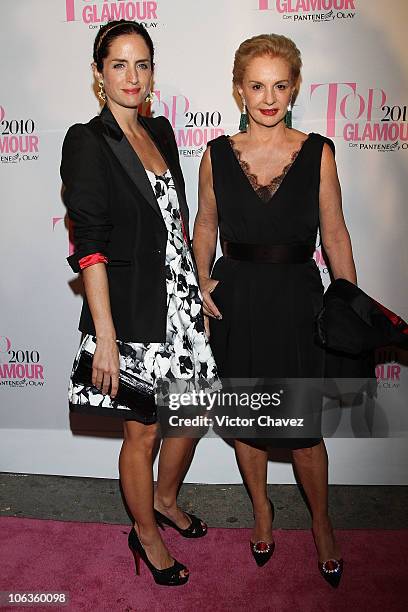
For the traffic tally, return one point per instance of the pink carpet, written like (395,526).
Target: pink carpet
(92,563)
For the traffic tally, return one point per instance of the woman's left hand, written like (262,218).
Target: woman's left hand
(210,309)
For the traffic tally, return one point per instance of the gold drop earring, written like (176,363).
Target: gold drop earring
(149,97)
(101,92)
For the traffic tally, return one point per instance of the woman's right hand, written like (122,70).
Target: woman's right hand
(105,366)
(207,286)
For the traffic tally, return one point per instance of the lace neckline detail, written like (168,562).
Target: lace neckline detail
(265,192)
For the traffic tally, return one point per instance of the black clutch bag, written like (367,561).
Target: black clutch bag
(133,391)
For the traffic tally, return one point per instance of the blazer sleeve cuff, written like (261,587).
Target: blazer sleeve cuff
(90,260)
(80,260)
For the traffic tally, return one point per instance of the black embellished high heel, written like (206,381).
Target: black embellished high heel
(332,571)
(194,530)
(166,577)
(262,551)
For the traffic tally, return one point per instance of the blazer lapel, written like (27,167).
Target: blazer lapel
(128,158)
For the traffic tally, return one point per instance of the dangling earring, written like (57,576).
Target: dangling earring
(149,97)
(288,116)
(243,122)
(101,92)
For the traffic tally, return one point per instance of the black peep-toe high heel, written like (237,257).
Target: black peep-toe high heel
(166,577)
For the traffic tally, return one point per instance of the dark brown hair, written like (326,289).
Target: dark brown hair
(112,30)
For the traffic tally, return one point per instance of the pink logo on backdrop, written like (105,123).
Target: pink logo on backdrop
(19,367)
(96,12)
(17,139)
(193,129)
(310,10)
(387,371)
(296,6)
(362,115)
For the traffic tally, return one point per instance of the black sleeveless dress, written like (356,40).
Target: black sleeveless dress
(268,309)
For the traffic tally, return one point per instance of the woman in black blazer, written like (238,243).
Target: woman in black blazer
(124,192)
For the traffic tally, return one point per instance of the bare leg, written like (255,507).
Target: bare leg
(136,476)
(253,465)
(175,458)
(311,466)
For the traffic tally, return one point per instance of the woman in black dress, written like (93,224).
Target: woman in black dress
(142,313)
(268,189)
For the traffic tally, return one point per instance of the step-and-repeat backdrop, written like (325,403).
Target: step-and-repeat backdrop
(354,90)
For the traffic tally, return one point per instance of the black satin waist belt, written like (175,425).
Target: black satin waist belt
(268,253)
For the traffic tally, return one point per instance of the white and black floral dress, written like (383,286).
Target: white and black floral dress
(186,355)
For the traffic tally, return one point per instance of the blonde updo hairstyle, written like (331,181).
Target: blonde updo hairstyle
(274,45)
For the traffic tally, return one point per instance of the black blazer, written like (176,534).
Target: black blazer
(114,212)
